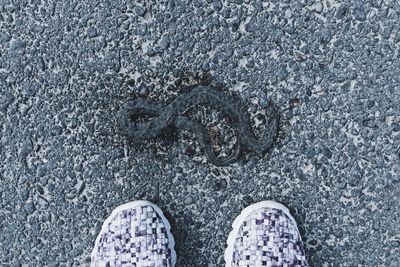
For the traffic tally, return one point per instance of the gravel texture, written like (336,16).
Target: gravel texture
(332,68)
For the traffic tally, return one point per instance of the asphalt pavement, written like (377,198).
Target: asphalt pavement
(332,68)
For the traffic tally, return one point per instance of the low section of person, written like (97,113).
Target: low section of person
(137,234)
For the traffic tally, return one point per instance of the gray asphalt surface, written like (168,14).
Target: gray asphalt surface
(333,70)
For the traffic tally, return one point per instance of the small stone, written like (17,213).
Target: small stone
(215,172)
(57,130)
(11,8)
(338,233)
(376,225)
(219,184)
(310,153)
(43,203)
(140,11)
(217,6)
(91,32)
(188,200)
(151,52)
(359,13)
(273,180)
(341,11)
(164,42)
(205,66)
(356,192)
(247,200)
(318,7)
(327,153)
(17,45)
(27,147)
(313,242)
(5,101)
(17,252)
(288,13)
(40,189)
(197,3)
(31,90)
(5,37)
(71,194)
(395,244)
(81,188)
(29,207)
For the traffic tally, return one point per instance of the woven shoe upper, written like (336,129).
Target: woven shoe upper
(133,237)
(268,237)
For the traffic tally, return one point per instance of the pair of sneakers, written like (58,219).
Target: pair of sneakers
(137,234)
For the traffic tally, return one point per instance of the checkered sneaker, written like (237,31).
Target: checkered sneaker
(136,234)
(265,235)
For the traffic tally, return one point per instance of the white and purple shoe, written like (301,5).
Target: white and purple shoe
(135,235)
(265,234)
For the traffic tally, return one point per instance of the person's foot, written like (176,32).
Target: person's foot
(136,234)
(265,234)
